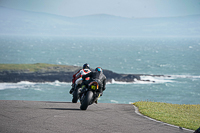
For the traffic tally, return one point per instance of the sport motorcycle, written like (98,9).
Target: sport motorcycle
(89,95)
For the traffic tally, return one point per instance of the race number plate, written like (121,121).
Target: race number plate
(93,87)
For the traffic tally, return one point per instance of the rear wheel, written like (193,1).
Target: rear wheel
(86,100)
(76,95)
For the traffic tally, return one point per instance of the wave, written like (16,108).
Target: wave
(144,80)
(155,79)
(57,83)
(158,79)
(4,86)
(114,101)
(118,82)
(186,76)
(27,84)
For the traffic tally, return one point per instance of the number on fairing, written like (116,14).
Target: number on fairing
(93,87)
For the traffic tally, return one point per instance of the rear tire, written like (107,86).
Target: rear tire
(86,100)
(76,95)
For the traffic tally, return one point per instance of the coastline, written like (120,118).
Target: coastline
(40,72)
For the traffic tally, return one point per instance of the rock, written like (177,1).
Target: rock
(61,73)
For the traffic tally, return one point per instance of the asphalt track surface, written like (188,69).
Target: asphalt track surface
(65,117)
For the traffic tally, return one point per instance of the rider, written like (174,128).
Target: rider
(99,77)
(77,75)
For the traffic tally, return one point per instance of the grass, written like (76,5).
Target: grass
(186,116)
(35,67)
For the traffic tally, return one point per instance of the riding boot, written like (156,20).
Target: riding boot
(97,96)
(82,90)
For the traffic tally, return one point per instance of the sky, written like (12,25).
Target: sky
(123,8)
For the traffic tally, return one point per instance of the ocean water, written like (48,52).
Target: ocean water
(177,58)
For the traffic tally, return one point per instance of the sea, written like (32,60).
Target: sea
(176,58)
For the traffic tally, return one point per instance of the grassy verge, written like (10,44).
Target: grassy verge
(35,67)
(186,116)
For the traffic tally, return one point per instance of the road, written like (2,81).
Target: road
(65,117)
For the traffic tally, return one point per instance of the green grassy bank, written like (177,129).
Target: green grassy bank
(186,116)
(35,67)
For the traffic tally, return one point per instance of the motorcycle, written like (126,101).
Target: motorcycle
(89,95)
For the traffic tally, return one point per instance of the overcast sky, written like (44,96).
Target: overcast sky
(123,8)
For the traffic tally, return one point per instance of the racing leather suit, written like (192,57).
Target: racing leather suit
(77,76)
(99,77)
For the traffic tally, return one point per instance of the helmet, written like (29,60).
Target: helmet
(86,66)
(99,69)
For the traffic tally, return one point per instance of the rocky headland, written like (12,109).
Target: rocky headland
(49,73)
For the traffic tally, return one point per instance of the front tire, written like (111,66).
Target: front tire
(86,100)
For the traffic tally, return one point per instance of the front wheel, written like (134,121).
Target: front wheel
(86,100)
